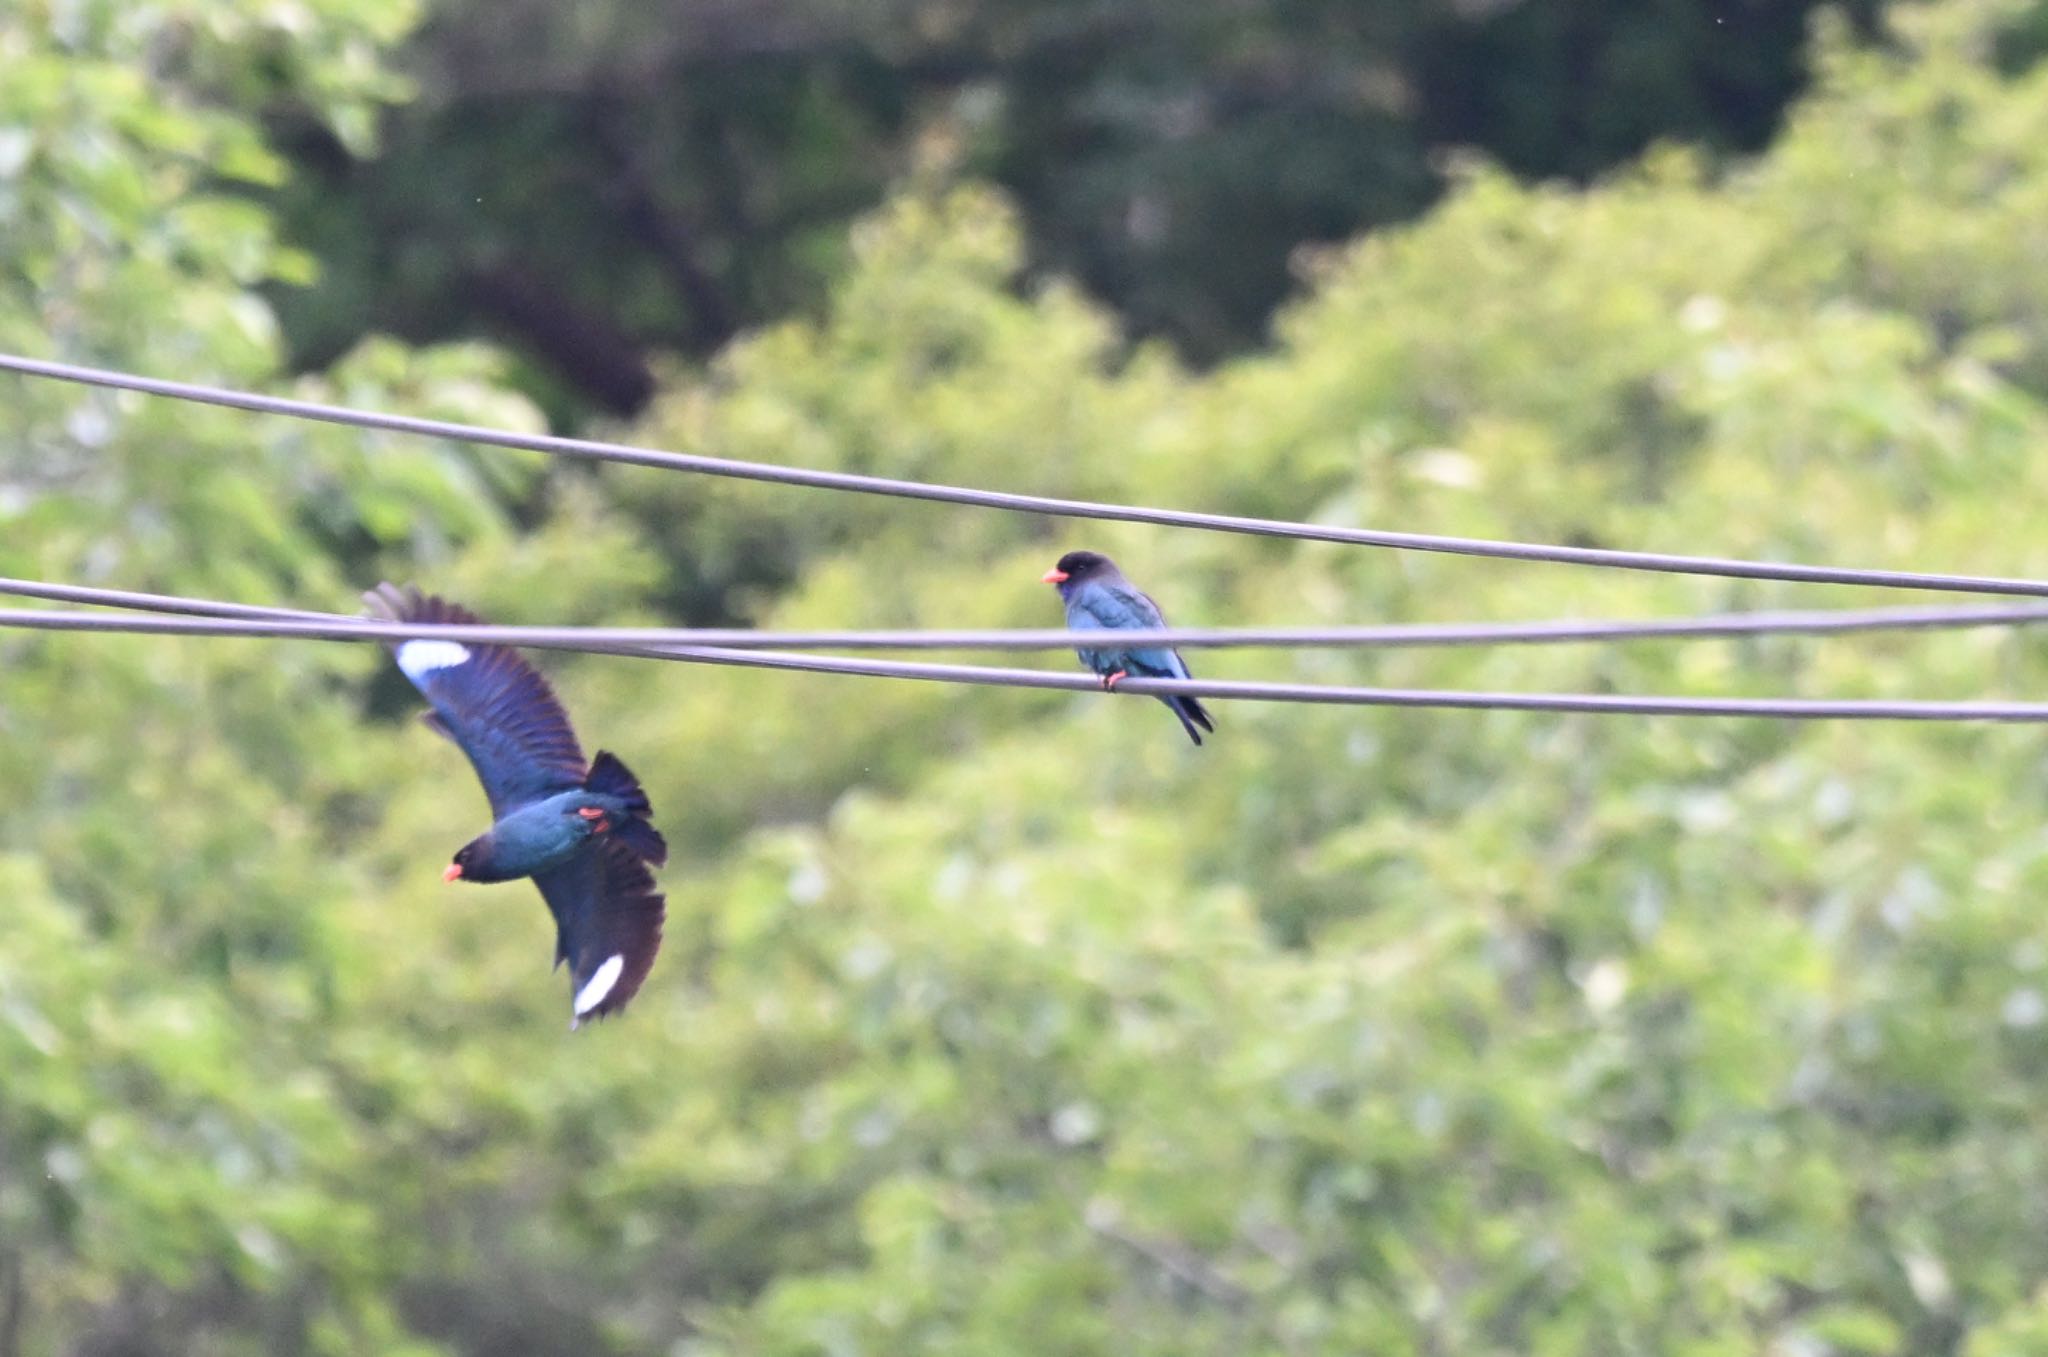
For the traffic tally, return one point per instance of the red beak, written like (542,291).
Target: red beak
(1054,576)
(454,870)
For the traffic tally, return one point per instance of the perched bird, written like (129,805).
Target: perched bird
(580,832)
(1099,598)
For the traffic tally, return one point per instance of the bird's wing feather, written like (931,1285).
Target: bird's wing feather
(608,918)
(488,700)
(1119,607)
(1080,618)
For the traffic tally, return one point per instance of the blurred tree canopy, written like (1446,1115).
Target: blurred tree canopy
(1004,1022)
(596,183)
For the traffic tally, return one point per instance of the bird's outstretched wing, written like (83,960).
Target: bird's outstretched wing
(608,919)
(489,701)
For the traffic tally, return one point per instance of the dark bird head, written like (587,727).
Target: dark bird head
(464,857)
(1078,567)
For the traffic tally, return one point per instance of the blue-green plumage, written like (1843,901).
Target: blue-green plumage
(538,836)
(581,832)
(1099,598)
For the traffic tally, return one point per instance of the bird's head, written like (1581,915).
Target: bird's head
(463,857)
(1078,567)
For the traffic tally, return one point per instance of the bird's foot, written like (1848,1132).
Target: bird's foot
(1109,681)
(598,823)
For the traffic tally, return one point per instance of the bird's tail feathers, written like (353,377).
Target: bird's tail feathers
(644,839)
(609,776)
(1192,714)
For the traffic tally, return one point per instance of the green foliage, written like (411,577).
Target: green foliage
(598,183)
(174,1168)
(1005,1022)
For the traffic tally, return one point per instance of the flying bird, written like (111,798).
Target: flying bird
(580,831)
(1099,598)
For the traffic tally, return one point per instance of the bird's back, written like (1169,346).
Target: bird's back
(1116,605)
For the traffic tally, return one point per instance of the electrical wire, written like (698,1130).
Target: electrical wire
(157,603)
(1817,622)
(333,627)
(596,450)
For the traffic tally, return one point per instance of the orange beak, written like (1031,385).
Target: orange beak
(1054,576)
(454,870)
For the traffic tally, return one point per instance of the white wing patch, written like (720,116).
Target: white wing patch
(600,984)
(421,658)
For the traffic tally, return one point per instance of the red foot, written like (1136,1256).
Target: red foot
(596,818)
(1109,681)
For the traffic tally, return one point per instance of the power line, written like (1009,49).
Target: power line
(1816,622)
(337,628)
(595,450)
(158,603)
